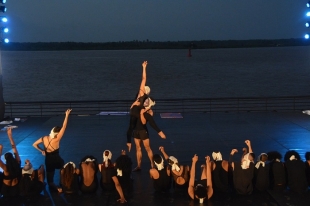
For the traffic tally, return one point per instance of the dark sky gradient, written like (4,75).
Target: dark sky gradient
(155,20)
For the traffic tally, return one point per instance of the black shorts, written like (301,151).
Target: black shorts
(141,134)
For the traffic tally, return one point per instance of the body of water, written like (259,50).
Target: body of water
(111,75)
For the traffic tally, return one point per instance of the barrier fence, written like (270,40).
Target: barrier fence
(195,105)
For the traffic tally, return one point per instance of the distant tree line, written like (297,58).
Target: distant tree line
(134,45)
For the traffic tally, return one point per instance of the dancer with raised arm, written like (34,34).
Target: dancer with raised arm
(51,151)
(135,108)
(11,169)
(201,189)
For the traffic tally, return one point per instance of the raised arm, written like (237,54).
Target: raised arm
(64,125)
(209,177)
(248,143)
(2,165)
(192,178)
(143,81)
(162,149)
(9,132)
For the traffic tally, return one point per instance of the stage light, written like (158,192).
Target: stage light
(6,40)
(307,24)
(2,9)
(5,29)
(308,13)
(4,19)
(307,36)
(3,1)
(308,4)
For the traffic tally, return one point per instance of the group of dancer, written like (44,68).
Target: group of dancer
(218,176)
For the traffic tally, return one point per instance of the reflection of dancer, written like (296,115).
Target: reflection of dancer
(141,134)
(51,151)
(135,108)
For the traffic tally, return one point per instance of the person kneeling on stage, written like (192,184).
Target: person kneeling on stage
(161,175)
(69,178)
(201,189)
(31,183)
(123,166)
(88,170)
(243,172)
(109,181)
(180,173)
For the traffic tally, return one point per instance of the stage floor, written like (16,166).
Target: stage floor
(193,134)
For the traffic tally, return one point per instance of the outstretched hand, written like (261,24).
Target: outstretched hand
(144,64)
(195,158)
(68,112)
(233,151)
(162,135)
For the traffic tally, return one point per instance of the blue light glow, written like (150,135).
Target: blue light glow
(307,24)
(6,40)
(4,19)
(307,36)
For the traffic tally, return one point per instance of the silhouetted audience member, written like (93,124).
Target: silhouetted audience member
(180,173)
(161,176)
(69,178)
(261,173)
(295,168)
(11,169)
(243,172)
(88,175)
(201,189)
(109,181)
(277,175)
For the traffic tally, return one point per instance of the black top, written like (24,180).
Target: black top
(261,176)
(277,174)
(74,187)
(106,178)
(219,178)
(134,116)
(163,182)
(296,176)
(149,119)
(243,178)
(308,172)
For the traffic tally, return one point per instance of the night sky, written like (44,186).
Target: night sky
(154,20)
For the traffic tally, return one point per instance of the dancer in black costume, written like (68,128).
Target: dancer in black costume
(51,151)
(135,108)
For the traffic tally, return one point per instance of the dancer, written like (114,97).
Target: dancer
(69,177)
(11,169)
(202,189)
(296,172)
(141,134)
(243,172)
(135,108)
(262,173)
(109,181)
(180,173)
(219,173)
(88,173)
(123,166)
(277,171)
(51,151)
(161,176)
(32,181)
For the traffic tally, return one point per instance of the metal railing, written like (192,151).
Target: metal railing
(197,105)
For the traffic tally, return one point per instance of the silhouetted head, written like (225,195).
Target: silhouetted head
(307,155)
(291,154)
(200,192)
(274,155)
